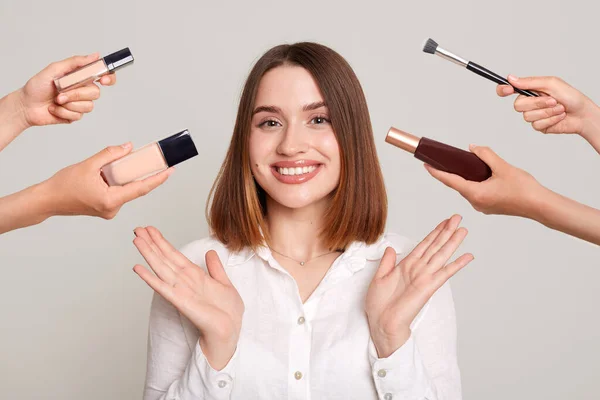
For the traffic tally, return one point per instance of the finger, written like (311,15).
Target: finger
(215,268)
(159,286)
(108,80)
(387,263)
(61,68)
(419,250)
(451,269)
(453,181)
(524,103)
(442,238)
(81,107)
(504,90)
(545,84)
(144,234)
(544,124)
(488,156)
(536,115)
(84,93)
(110,154)
(63,113)
(441,257)
(134,190)
(160,268)
(167,249)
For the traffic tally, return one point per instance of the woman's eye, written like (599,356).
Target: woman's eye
(319,120)
(269,123)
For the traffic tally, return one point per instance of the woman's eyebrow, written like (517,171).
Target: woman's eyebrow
(271,109)
(314,106)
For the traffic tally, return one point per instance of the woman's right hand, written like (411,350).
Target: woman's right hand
(208,299)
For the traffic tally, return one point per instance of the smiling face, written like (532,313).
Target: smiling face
(294,152)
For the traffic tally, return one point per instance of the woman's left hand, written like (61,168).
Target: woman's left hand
(398,292)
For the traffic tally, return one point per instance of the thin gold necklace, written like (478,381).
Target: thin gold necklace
(305,261)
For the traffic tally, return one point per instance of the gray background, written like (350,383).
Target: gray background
(74,315)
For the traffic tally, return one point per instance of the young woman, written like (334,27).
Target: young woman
(298,294)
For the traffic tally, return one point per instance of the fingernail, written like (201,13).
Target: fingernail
(513,78)
(170,171)
(472,147)
(62,98)
(126,146)
(134,233)
(559,108)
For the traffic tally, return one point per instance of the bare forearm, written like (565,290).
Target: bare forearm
(27,207)
(12,120)
(568,216)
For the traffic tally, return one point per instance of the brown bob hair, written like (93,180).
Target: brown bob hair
(236,209)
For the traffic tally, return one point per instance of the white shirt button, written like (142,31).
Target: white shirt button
(388,396)
(381,373)
(222,384)
(301,320)
(298,375)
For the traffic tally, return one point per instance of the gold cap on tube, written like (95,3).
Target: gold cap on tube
(402,139)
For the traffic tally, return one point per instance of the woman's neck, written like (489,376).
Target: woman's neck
(295,232)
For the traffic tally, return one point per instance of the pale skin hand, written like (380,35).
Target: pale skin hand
(78,189)
(208,299)
(39,103)
(561,108)
(398,292)
(512,191)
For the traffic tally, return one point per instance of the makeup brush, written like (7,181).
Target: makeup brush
(432,47)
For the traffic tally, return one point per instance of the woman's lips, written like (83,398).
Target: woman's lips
(296,178)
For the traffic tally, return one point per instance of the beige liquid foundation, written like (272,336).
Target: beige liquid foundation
(150,159)
(94,70)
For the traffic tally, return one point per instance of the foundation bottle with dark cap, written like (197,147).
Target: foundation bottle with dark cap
(441,156)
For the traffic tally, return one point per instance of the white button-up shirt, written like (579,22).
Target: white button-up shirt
(317,350)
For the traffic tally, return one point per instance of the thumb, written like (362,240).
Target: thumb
(387,263)
(61,68)
(215,268)
(110,154)
(488,156)
(546,84)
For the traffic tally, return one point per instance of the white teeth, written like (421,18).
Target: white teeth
(296,171)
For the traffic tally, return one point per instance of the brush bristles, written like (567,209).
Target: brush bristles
(430,46)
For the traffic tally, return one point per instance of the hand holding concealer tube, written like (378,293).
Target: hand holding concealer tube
(37,103)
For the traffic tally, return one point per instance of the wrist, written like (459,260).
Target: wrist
(541,205)
(386,345)
(591,122)
(47,206)
(218,353)
(17,110)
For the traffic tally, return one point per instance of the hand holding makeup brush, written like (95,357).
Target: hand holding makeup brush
(38,102)
(397,293)
(562,109)
(513,191)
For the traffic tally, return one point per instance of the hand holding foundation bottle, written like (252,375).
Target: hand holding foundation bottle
(78,189)
(39,103)
(512,191)
(205,296)
(561,109)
